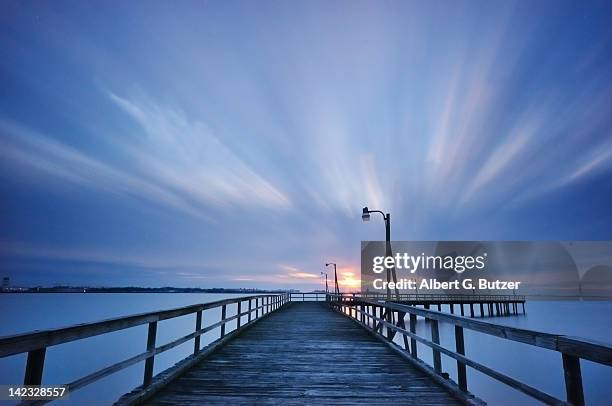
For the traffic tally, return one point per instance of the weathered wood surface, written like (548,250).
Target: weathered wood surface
(304,354)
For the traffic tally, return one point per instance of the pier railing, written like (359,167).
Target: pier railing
(35,344)
(437,297)
(387,319)
(307,296)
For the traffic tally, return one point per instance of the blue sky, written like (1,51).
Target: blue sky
(233,143)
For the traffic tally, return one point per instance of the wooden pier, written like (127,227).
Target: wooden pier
(311,348)
(305,353)
(478,305)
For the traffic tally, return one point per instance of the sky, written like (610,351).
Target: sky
(234,143)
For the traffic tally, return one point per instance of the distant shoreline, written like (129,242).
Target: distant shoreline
(130,289)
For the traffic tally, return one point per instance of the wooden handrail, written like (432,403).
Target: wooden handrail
(302,296)
(438,296)
(572,348)
(19,343)
(590,350)
(36,343)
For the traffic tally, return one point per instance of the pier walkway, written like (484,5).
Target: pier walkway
(317,348)
(305,353)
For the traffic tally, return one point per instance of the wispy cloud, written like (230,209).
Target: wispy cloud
(112,257)
(44,155)
(183,155)
(277,129)
(173,162)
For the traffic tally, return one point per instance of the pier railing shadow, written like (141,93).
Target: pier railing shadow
(35,344)
(386,319)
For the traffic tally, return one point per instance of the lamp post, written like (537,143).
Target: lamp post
(365,216)
(336,288)
(326,289)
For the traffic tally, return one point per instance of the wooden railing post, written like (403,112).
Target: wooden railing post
(435,338)
(390,331)
(461,369)
(573,380)
(256,307)
(34,367)
(239,312)
(373,320)
(401,322)
(250,311)
(223,313)
(148,371)
(196,342)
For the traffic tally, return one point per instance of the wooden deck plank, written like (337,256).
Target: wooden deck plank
(304,354)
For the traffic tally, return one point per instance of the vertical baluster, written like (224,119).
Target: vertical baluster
(223,312)
(460,347)
(435,337)
(148,371)
(413,342)
(34,367)
(250,307)
(371,315)
(238,314)
(402,323)
(573,380)
(196,342)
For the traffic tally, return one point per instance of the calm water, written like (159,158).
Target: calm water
(64,363)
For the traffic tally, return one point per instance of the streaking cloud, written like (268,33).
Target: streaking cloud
(259,131)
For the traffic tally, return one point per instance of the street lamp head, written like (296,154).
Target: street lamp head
(365,216)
